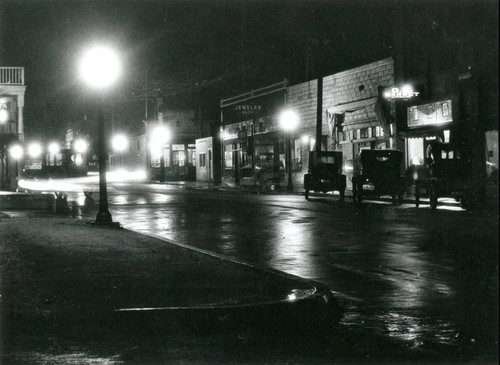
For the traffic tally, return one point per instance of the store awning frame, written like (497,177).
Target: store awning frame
(351,106)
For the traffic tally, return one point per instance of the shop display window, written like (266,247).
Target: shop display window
(228,156)
(416,151)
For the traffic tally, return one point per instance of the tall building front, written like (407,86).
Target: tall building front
(12,91)
(447,61)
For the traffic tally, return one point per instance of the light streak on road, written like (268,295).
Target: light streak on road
(86,183)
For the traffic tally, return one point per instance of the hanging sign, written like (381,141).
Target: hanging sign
(406,92)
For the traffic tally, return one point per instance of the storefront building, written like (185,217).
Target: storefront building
(454,90)
(171,147)
(12,92)
(252,141)
(208,160)
(353,116)
(358,117)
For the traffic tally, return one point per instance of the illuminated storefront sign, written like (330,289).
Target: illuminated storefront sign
(405,92)
(247,107)
(428,114)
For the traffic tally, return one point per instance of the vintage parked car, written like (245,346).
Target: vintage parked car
(325,173)
(451,175)
(380,175)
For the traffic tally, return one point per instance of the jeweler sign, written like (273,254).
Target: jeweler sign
(406,92)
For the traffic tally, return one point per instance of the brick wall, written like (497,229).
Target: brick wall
(303,99)
(344,87)
(339,88)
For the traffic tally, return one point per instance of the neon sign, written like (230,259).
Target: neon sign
(406,92)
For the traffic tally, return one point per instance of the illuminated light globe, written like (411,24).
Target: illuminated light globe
(119,143)
(53,148)
(34,150)
(100,67)
(16,152)
(159,136)
(288,120)
(80,146)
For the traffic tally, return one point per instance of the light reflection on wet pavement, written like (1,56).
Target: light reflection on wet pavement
(401,272)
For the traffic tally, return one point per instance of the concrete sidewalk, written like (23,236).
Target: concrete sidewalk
(67,285)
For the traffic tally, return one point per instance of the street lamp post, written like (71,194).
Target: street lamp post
(289,120)
(99,69)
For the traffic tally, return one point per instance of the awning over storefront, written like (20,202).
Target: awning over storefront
(427,131)
(352,106)
(374,104)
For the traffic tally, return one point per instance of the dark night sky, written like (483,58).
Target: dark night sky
(227,47)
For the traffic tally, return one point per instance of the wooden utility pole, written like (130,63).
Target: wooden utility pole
(319,115)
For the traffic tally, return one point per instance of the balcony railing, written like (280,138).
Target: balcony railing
(11,75)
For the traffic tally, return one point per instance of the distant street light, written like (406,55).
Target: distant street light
(159,137)
(53,151)
(54,148)
(80,146)
(99,68)
(119,143)
(289,121)
(16,152)
(35,150)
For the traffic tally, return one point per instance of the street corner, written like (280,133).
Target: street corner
(301,313)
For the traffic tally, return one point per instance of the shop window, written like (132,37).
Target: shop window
(191,154)
(54,159)
(228,156)
(297,155)
(416,151)
(167,153)
(179,158)
(202,158)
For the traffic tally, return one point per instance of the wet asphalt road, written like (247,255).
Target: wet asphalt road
(428,279)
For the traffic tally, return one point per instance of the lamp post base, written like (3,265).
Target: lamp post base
(103,216)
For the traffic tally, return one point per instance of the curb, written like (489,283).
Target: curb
(38,201)
(307,309)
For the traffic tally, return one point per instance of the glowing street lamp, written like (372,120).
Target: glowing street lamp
(159,137)
(289,121)
(100,67)
(16,152)
(80,146)
(54,148)
(35,150)
(119,143)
